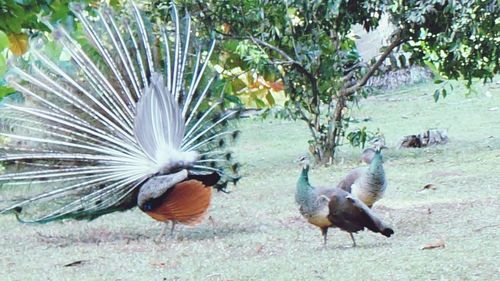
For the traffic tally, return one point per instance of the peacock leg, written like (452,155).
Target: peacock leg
(353,241)
(324,231)
(162,233)
(172,230)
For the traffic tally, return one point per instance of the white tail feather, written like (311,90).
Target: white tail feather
(94,129)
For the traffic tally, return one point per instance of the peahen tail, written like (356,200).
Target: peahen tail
(123,106)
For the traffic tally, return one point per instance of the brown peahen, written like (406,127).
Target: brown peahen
(129,120)
(368,184)
(334,207)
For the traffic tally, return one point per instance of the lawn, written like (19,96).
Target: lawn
(258,234)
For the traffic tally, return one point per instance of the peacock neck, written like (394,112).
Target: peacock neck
(304,194)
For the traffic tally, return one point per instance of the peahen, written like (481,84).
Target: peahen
(129,120)
(334,207)
(367,183)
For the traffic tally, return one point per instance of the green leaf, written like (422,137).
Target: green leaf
(260,103)
(443,92)
(270,99)
(115,4)
(438,81)
(5,91)
(60,10)
(4,41)
(3,65)
(436,95)
(233,99)
(237,84)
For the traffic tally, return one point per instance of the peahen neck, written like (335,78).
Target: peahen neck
(376,166)
(305,192)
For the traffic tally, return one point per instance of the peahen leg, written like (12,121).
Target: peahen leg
(324,231)
(353,240)
(212,222)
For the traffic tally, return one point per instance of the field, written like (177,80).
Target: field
(258,234)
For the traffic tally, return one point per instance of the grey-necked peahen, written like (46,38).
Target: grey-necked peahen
(334,207)
(129,120)
(367,183)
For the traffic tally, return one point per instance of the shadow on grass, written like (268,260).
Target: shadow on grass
(104,235)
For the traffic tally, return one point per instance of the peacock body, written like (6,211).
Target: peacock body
(129,120)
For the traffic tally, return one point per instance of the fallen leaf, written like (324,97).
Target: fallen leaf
(428,186)
(259,249)
(75,263)
(158,264)
(437,244)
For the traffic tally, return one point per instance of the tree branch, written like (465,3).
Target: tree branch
(346,92)
(289,60)
(299,67)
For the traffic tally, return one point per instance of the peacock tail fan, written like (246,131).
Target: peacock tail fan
(131,101)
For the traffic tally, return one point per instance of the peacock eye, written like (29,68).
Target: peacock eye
(148,206)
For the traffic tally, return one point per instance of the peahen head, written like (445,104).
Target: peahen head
(304,161)
(378,144)
(368,155)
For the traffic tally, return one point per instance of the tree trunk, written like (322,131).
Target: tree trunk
(325,146)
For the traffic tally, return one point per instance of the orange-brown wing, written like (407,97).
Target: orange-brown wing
(186,203)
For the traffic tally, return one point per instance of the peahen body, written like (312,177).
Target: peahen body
(367,183)
(128,121)
(334,207)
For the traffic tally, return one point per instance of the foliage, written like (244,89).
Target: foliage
(310,47)
(360,136)
(457,39)
(460,38)
(20,19)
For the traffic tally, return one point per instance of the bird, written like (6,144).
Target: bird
(328,207)
(367,183)
(130,119)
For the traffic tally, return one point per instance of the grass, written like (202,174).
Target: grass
(258,233)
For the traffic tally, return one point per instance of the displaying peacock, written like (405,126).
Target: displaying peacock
(128,120)
(335,207)
(367,183)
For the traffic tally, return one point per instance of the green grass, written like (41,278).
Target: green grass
(258,233)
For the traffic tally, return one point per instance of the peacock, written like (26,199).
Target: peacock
(335,207)
(130,119)
(368,184)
